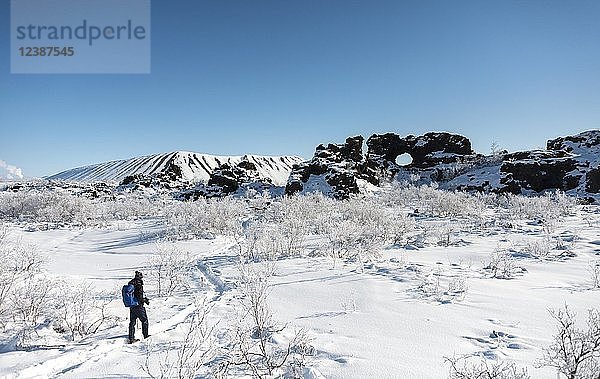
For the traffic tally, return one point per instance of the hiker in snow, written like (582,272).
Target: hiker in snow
(138,311)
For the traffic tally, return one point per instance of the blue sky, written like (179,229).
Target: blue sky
(280,77)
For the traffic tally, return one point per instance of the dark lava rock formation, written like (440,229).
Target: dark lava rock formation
(171,177)
(337,169)
(228,179)
(538,171)
(426,151)
(570,164)
(334,170)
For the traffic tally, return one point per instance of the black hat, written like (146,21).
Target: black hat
(138,274)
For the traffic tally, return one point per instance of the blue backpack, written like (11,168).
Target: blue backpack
(128,296)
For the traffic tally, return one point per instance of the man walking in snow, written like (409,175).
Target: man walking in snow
(138,311)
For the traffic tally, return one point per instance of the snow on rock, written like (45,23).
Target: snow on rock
(341,166)
(570,164)
(335,169)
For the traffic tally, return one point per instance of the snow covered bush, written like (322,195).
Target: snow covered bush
(226,215)
(206,218)
(547,209)
(18,261)
(128,207)
(432,287)
(502,265)
(79,310)
(53,207)
(256,340)
(574,352)
(546,249)
(188,219)
(186,358)
(61,208)
(353,230)
(16,205)
(251,242)
(29,303)
(431,201)
(481,368)
(292,217)
(261,241)
(399,227)
(170,267)
(538,249)
(443,233)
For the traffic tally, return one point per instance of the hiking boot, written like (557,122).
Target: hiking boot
(130,341)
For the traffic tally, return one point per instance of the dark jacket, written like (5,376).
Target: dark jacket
(138,290)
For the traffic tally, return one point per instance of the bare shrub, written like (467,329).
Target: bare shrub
(188,358)
(538,249)
(481,368)
(444,233)
(79,310)
(574,352)
(301,356)
(547,209)
(18,261)
(458,287)
(29,302)
(502,265)
(399,228)
(254,337)
(432,287)
(354,230)
(348,303)
(170,267)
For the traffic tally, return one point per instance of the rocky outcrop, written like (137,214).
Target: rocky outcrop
(538,171)
(426,151)
(92,190)
(335,169)
(170,177)
(586,142)
(570,164)
(228,179)
(592,180)
(338,169)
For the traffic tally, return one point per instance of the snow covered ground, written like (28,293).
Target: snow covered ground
(397,314)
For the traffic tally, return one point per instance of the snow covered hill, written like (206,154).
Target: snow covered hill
(194,167)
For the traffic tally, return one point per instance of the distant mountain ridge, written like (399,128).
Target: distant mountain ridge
(194,167)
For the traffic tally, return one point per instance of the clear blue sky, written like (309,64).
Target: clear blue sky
(280,77)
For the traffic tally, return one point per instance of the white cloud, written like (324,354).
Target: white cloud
(8,171)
